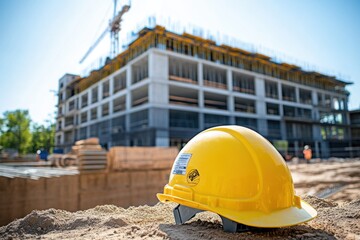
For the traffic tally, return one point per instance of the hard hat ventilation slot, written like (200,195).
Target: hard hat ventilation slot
(183,214)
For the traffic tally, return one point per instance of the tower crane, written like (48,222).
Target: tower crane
(114,28)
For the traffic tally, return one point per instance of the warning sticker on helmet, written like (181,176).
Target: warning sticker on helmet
(193,177)
(181,163)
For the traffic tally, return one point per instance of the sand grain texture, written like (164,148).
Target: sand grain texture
(335,221)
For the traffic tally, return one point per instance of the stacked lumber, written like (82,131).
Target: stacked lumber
(122,158)
(62,160)
(88,144)
(90,155)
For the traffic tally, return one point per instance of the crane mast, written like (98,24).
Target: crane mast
(114,28)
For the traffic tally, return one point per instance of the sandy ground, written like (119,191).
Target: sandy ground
(339,219)
(316,179)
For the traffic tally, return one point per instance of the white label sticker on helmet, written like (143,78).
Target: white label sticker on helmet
(181,163)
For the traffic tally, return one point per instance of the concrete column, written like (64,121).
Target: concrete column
(99,92)
(201,95)
(158,94)
(111,85)
(262,126)
(128,98)
(260,93)
(201,121)
(111,107)
(200,74)
(230,103)
(230,97)
(98,112)
(315,111)
(158,66)
(158,74)
(283,129)
(111,80)
(279,90)
(162,139)
(232,120)
(128,92)
(281,110)
(201,106)
(159,119)
(260,87)
(229,80)
(79,101)
(297,94)
(314,98)
(261,105)
(201,98)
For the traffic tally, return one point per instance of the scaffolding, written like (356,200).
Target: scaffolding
(206,49)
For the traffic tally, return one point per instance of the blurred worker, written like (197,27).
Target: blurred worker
(307,153)
(38,152)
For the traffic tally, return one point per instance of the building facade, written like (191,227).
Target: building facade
(165,88)
(355,133)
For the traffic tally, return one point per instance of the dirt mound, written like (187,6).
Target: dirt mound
(156,222)
(340,220)
(318,203)
(52,220)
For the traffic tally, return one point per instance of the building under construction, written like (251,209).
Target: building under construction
(166,87)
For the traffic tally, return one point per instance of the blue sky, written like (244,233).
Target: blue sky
(42,40)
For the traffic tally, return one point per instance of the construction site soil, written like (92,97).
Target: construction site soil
(338,214)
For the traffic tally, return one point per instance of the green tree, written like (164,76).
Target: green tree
(1,132)
(43,137)
(1,125)
(15,130)
(37,138)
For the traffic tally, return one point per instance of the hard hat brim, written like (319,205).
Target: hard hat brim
(281,218)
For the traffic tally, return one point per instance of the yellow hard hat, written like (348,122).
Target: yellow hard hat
(236,173)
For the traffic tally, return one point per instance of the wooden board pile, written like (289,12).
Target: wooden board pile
(90,155)
(62,160)
(121,158)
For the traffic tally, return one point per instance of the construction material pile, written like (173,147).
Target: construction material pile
(62,160)
(90,155)
(124,158)
(86,154)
